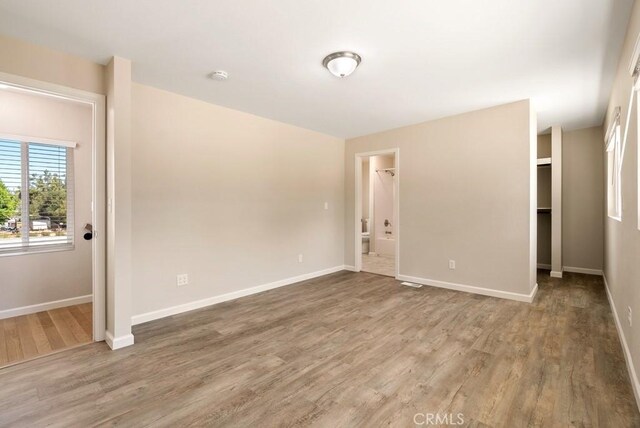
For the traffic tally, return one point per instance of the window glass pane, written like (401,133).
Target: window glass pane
(47,194)
(10,183)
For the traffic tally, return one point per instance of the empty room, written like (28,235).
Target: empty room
(333,214)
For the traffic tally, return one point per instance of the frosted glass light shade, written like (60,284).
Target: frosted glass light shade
(342,64)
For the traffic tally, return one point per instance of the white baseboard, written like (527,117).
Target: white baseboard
(635,384)
(556,274)
(543,266)
(582,270)
(185,307)
(32,309)
(472,289)
(118,342)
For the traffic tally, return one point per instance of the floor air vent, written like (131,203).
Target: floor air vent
(411,284)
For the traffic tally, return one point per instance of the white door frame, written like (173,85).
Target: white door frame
(358,205)
(97,102)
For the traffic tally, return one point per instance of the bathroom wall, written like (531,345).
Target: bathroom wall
(382,202)
(365,189)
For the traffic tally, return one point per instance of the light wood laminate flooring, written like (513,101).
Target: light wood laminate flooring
(380,264)
(30,336)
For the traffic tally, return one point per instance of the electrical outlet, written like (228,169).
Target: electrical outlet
(299,258)
(629,315)
(182,279)
(452,264)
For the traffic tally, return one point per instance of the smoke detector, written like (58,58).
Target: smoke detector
(219,75)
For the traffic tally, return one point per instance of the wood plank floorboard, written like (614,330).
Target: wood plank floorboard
(30,336)
(347,349)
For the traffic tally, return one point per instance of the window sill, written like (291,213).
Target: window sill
(618,219)
(37,250)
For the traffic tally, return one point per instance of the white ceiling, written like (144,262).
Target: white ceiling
(421,59)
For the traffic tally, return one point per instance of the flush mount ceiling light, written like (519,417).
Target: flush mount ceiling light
(219,75)
(342,64)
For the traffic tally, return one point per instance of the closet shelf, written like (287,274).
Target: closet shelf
(544,209)
(544,162)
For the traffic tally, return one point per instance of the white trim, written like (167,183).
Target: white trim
(473,289)
(40,307)
(556,200)
(635,384)
(543,161)
(23,251)
(118,342)
(637,141)
(357,213)
(635,57)
(637,88)
(587,271)
(358,157)
(543,266)
(349,268)
(555,274)
(98,219)
(38,140)
(197,304)
(615,121)
(624,137)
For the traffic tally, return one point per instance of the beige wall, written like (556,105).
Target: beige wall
(119,190)
(39,278)
(544,241)
(382,202)
(376,218)
(229,198)
(365,188)
(465,185)
(622,239)
(40,63)
(544,146)
(582,198)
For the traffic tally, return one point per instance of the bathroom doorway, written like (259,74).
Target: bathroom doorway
(377,197)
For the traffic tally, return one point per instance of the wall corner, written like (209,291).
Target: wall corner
(119,269)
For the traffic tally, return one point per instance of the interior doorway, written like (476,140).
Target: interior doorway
(377,212)
(52,215)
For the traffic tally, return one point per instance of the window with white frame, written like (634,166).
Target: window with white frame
(36,197)
(614,164)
